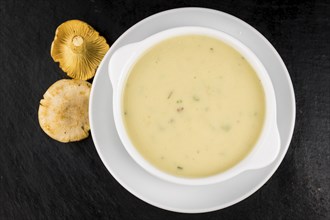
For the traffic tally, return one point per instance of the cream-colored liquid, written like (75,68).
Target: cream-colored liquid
(193,106)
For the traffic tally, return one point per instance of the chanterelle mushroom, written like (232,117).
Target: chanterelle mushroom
(63,111)
(78,48)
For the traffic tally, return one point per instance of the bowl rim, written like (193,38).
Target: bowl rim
(138,49)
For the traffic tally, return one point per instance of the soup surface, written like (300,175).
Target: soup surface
(193,106)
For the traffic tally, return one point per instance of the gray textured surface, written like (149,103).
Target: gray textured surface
(43,179)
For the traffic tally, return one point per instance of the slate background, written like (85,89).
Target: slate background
(43,179)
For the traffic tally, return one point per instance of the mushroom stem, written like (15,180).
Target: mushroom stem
(77,44)
(77,41)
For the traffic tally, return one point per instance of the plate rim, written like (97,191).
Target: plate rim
(277,162)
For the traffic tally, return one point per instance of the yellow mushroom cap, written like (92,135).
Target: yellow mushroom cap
(63,111)
(78,48)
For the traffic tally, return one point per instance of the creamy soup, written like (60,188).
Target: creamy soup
(193,106)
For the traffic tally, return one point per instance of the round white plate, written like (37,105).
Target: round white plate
(169,196)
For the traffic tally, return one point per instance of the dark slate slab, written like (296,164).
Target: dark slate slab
(43,179)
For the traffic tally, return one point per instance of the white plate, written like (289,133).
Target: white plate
(169,196)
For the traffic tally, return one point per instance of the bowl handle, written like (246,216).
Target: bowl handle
(266,155)
(118,61)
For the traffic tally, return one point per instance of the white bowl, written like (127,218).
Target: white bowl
(266,148)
